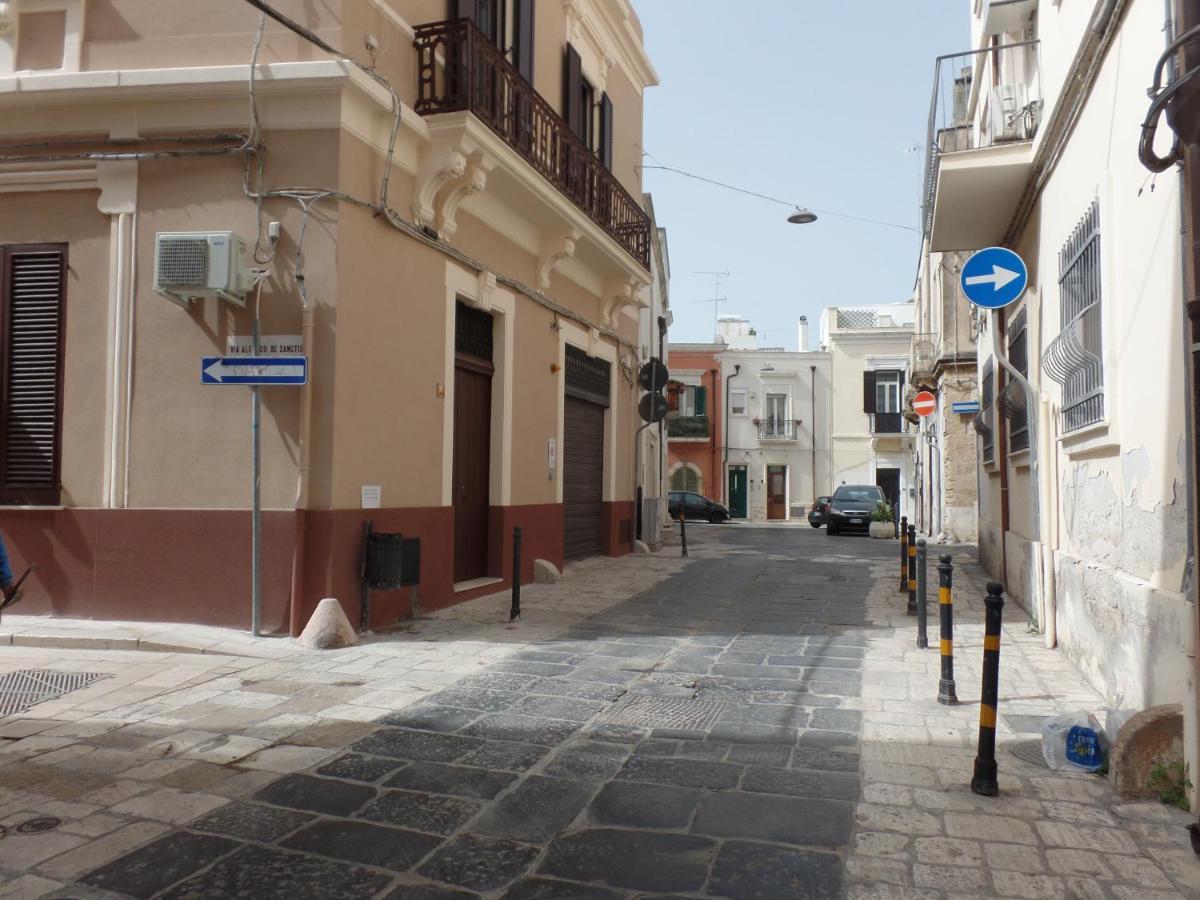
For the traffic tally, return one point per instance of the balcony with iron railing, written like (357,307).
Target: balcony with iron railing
(983,117)
(926,349)
(687,428)
(459,69)
(887,423)
(774,429)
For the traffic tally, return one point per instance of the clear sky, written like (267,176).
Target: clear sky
(817,102)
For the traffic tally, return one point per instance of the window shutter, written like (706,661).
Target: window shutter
(868,392)
(572,89)
(606,132)
(701,401)
(32,291)
(465,9)
(523,29)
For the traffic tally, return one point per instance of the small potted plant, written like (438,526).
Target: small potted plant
(882,525)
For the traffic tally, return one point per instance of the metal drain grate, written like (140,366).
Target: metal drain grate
(1029,752)
(683,714)
(22,689)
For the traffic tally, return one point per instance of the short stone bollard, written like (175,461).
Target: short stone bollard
(903,553)
(984,781)
(946,690)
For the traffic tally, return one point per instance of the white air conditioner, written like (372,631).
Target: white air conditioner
(197,264)
(1011,115)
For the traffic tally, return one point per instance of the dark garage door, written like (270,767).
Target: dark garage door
(583,477)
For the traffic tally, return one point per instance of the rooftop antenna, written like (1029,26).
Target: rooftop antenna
(716,300)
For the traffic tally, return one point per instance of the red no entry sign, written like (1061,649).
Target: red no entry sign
(924,403)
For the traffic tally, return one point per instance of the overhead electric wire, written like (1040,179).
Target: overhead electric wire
(731,187)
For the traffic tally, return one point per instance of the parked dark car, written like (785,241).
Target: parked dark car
(819,514)
(851,506)
(696,506)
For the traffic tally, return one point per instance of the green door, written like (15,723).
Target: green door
(737,492)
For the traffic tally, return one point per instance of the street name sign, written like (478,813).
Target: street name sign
(924,404)
(254,370)
(965,407)
(994,278)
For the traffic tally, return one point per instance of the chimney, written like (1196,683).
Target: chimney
(803,334)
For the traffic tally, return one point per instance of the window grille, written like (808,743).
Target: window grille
(983,422)
(686,479)
(1013,398)
(1075,358)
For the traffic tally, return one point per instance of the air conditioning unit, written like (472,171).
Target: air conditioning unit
(1011,114)
(191,265)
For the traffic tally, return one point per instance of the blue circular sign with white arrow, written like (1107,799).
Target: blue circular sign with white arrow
(994,278)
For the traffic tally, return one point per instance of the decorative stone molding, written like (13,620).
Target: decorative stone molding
(435,172)
(558,248)
(118,180)
(452,196)
(485,292)
(616,297)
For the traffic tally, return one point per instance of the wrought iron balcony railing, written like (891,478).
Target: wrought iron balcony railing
(887,423)
(772,429)
(925,350)
(981,98)
(687,427)
(460,69)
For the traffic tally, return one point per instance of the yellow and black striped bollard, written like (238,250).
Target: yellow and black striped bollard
(912,570)
(903,553)
(946,691)
(984,781)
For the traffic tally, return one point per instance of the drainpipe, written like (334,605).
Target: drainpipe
(812,383)
(300,539)
(737,367)
(1050,544)
(716,383)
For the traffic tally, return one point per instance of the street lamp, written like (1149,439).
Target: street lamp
(802,216)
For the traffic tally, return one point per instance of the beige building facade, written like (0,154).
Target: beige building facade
(458,251)
(1083,498)
(870,440)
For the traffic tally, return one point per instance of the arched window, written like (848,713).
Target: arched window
(686,478)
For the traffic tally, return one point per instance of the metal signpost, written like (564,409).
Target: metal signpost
(255,372)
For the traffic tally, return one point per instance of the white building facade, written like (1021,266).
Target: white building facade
(653,324)
(871,441)
(777,458)
(1083,488)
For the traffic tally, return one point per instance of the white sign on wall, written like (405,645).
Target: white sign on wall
(372,496)
(268,345)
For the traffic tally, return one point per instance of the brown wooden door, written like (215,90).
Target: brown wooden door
(583,477)
(776,492)
(472,457)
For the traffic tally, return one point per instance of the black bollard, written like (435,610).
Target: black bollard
(946,691)
(922,610)
(683,531)
(912,570)
(904,553)
(515,612)
(984,781)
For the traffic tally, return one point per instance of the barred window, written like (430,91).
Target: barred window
(1079,283)
(984,422)
(1014,395)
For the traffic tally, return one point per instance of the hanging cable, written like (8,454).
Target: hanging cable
(730,187)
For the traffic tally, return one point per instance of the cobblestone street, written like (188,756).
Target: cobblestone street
(755,722)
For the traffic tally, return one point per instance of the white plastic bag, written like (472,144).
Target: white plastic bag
(1114,720)
(1074,742)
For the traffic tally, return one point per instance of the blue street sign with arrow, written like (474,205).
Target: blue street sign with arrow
(994,278)
(254,370)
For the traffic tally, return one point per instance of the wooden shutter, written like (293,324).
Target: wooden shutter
(868,392)
(606,132)
(523,30)
(33,297)
(465,9)
(572,91)
(701,401)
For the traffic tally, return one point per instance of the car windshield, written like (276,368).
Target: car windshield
(862,493)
